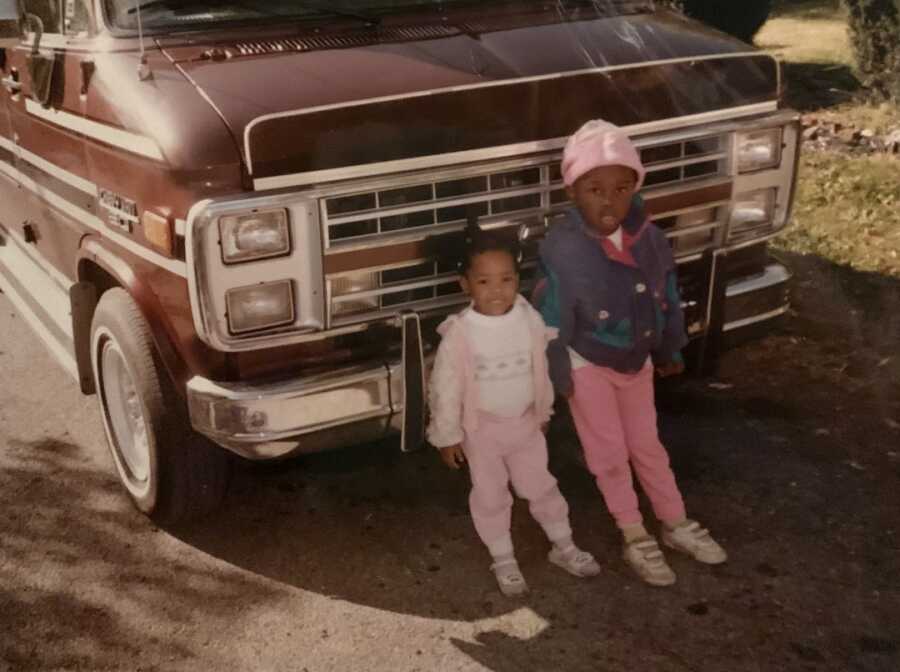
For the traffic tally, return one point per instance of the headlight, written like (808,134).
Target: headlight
(255,235)
(262,306)
(753,215)
(346,290)
(758,150)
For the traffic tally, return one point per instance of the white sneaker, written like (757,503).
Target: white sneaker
(509,578)
(694,540)
(645,558)
(575,561)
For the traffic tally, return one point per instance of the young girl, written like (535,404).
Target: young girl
(490,397)
(610,287)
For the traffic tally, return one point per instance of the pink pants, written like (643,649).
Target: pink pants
(504,450)
(615,416)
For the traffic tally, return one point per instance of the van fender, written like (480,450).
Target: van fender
(118,267)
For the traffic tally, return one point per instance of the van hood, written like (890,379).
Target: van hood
(303,103)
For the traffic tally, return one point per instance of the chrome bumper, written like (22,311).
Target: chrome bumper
(751,301)
(330,410)
(305,415)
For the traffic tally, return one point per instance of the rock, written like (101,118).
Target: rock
(892,142)
(847,136)
(867,133)
(811,133)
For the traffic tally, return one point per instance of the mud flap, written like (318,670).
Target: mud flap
(412,435)
(83,296)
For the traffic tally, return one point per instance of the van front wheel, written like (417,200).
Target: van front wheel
(169,471)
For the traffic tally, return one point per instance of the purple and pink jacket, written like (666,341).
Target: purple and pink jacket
(613,307)
(453,392)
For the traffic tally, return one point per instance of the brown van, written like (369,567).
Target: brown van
(238,223)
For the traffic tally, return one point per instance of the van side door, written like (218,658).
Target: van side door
(46,116)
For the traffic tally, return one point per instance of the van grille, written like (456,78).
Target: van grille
(524,191)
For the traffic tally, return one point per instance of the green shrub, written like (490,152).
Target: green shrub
(741,18)
(875,35)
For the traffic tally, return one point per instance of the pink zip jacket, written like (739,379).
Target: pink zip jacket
(452,391)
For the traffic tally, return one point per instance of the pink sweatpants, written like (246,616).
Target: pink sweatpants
(504,450)
(615,416)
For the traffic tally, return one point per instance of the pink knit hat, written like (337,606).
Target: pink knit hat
(599,143)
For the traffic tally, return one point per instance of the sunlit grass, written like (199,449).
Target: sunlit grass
(848,210)
(813,38)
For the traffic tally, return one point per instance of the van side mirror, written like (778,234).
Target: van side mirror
(10,23)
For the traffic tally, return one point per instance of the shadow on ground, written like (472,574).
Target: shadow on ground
(82,575)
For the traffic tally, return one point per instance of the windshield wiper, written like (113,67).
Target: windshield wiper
(359,16)
(315,6)
(155,3)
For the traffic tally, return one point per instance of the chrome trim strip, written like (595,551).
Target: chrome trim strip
(693,208)
(774,274)
(484,85)
(752,241)
(429,281)
(59,278)
(65,358)
(117,137)
(389,315)
(685,161)
(747,321)
(93,222)
(677,233)
(399,165)
(689,258)
(61,174)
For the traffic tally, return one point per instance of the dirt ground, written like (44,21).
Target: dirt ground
(366,559)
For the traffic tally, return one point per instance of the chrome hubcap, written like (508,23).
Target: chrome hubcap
(126,418)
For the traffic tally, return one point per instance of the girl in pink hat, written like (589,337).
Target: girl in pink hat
(610,287)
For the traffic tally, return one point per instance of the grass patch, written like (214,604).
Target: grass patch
(848,210)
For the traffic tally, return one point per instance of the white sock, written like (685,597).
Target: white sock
(632,532)
(565,545)
(504,559)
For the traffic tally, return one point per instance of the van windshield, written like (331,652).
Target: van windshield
(191,14)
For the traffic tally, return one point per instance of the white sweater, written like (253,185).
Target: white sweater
(501,350)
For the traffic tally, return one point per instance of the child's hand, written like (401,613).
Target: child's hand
(453,456)
(670,369)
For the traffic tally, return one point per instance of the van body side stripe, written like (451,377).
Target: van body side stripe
(117,137)
(92,221)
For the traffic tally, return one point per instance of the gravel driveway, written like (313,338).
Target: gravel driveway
(366,559)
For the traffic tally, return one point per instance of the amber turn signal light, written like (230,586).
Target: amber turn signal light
(158,232)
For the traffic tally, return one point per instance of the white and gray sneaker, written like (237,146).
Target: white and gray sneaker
(509,577)
(648,562)
(696,541)
(575,561)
